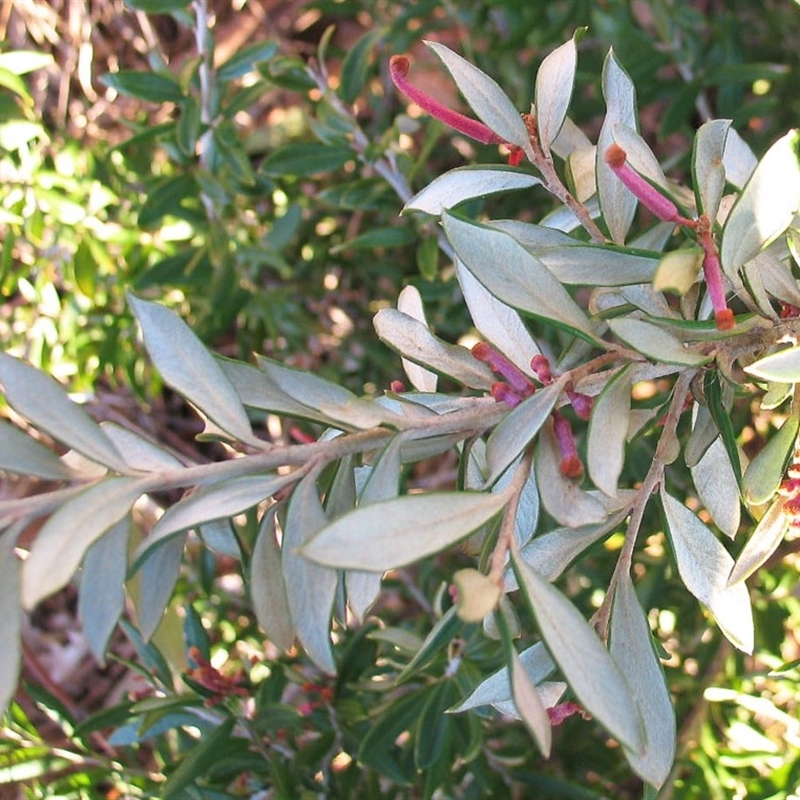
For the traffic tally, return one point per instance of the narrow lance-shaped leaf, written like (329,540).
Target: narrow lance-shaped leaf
(42,400)
(267,589)
(617,203)
(388,534)
(608,430)
(11,618)
(101,599)
(654,342)
(781,367)
(766,206)
(632,648)
(486,98)
(187,366)
(23,455)
(555,80)
(152,585)
(763,542)
(409,302)
(716,484)
(588,667)
(765,472)
(61,543)
(708,165)
(704,566)
(310,588)
(514,276)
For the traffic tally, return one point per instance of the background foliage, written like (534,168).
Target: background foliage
(283,238)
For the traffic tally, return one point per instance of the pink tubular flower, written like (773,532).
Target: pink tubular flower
(499,364)
(648,195)
(399,66)
(541,366)
(503,393)
(713,274)
(571,465)
(581,404)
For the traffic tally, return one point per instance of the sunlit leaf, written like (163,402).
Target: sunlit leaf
(41,399)
(739,160)
(555,80)
(485,97)
(708,167)
(608,432)
(21,454)
(763,542)
(704,566)
(586,664)
(616,201)
(466,183)
(632,648)
(654,342)
(782,366)
(765,207)
(150,86)
(139,453)
(384,535)
(187,366)
(60,545)
(765,472)
(718,489)
(409,301)
(678,270)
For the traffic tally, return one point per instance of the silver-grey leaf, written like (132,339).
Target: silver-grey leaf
(608,432)
(555,80)
(708,165)
(763,542)
(718,488)
(21,454)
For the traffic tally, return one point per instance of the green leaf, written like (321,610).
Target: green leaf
(765,472)
(414,341)
(218,501)
(616,201)
(765,207)
(186,365)
(385,535)
(608,431)
(41,400)
(434,726)
(244,61)
(655,343)
(21,62)
(157,6)
(101,599)
(514,276)
(719,403)
(21,454)
(140,453)
(589,669)
(763,542)
(782,366)
(716,484)
(310,588)
(632,648)
(355,65)
(150,86)
(165,197)
(11,618)
(708,168)
(466,183)
(60,545)
(498,323)
(303,159)
(486,98)
(200,758)
(704,566)
(518,428)
(157,577)
(270,603)
(555,81)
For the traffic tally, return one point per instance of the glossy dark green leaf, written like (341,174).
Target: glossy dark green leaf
(165,198)
(150,86)
(434,728)
(306,159)
(718,403)
(245,60)
(355,66)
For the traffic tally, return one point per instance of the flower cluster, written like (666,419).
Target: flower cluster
(208,678)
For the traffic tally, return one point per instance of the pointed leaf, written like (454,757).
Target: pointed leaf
(60,545)
(708,166)
(415,342)
(588,667)
(409,301)
(765,472)
(616,201)
(632,648)
(218,501)
(739,160)
(156,579)
(513,275)
(485,97)
(11,618)
(101,599)
(608,432)
(310,588)
(495,321)
(704,566)
(140,453)
(715,481)
(267,589)
(555,81)
(466,183)
(655,343)
(41,400)
(781,367)
(763,542)
(518,428)
(385,535)
(21,454)
(765,207)
(187,366)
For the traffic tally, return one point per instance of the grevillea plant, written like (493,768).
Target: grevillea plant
(612,347)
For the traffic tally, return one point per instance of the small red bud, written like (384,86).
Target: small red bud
(397,387)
